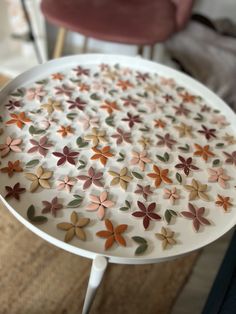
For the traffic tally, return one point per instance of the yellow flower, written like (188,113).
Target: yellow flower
(121,178)
(96,137)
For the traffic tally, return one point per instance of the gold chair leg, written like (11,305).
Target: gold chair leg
(140,50)
(152,51)
(59,42)
(85,45)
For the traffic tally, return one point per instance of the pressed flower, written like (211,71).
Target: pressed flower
(186,165)
(99,204)
(203,151)
(172,195)
(112,234)
(145,191)
(167,82)
(231,158)
(122,178)
(40,178)
(93,177)
(196,215)
(13,104)
(97,136)
(208,133)
(88,122)
(223,201)
(51,207)
(167,98)
(197,190)
(230,139)
(52,105)
(121,136)
(124,85)
(36,93)
(64,90)
(110,106)
(159,123)
(66,156)
(42,146)
(187,97)
(57,76)
(145,142)
(74,228)
(184,130)
(132,119)
(205,108)
(19,119)
(102,154)
(219,120)
(67,184)
(78,103)
(11,144)
(166,140)
(160,175)
(65,130)
(181,110)
(81,71)
(166,236)
(152,88)
(218,175)
(83,87)
(146,213)
(142,76)
(14,191)
(130,101)
(140,159)
(12,167)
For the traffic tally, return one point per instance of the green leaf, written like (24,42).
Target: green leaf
(42,82)
(169,213)
(220,144)
(139,239)
(199,117)
(172,118)
(184,148)
(216,162)
(141,249)
(35,219)
(137,175)
(95,96)
(32,163)
(166,156)
(122,157)
(78,196)
(145,129)
(75,203)
(128,204)
(161,158)
(124,209)
(18,93)
(142,111)
(82,164)
(112,92)
(34,131)
(81,143)
(71,115)
(216,111)
(178,177)
(110,121)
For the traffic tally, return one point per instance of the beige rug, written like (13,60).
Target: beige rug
(37,278)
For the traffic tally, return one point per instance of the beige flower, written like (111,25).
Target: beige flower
(121,178)
(184,130)
(145,142)
(197,190)
(230,139)
(141,159)
(52,105)
(166,236)
(40,178)
(96,137)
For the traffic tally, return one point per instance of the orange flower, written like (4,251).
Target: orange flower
(159,176)
(102,154)
(112,234)
(159,123)
(12,167)
(110,106)
(57,76)
(124,84)
(223,201)
(83,87)
(203,151)
(186,97)
(18,119)
(65,130)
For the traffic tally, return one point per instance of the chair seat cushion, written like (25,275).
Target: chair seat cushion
(136,22)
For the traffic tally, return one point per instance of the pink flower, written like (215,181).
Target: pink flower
(67,184)
(196,214)
(36,93)
(41,146)
(141,159)
(92,177)
(218,175)
(10,145)
(88,122)
(172,195)
(219,120)
(122,136)
(99,203)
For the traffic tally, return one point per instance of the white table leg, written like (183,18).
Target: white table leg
(98,268)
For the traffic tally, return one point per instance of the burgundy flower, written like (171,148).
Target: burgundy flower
(166,140)
(143,190)
(146,213)
(13,104)
(142,76)
(40,146)
(186,165)
(207,132)
(92,177)
(231,158)
(168,98)
(77,103)
(66,155)
(205,108)
(130,101)
(64,90)
(52,206)
(122,136)
(81,71)
(196,214)
(14,191)
(181,110)
(132,119)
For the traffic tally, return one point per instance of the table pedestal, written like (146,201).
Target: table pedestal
(98,268)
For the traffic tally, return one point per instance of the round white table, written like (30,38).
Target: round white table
(117,159)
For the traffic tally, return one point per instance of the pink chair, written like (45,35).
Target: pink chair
(133,22)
